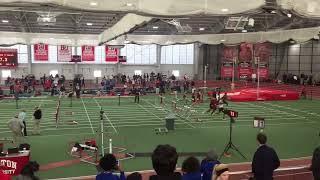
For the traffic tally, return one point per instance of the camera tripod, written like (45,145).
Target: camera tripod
(230,144)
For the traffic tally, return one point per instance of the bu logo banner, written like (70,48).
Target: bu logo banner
(41,52)
(64,53)
(87,53)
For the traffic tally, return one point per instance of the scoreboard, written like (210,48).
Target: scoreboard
(8,57)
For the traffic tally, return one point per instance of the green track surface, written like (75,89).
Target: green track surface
(292,128)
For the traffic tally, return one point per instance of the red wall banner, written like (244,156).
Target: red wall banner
(263,72)
(87,53)
(226,71)
(245,54)
(263,51)
(41,52)
(112,54)
(64,53)
(229,53)
(244,72)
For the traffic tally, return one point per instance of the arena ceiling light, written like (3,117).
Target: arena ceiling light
(222,40)
(93,3)
(224,10)
(5,21)
(155,27)
(89,24)
(129,4)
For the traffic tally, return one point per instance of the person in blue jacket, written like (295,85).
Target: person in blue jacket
(207,165)
(108,165)
(191,169)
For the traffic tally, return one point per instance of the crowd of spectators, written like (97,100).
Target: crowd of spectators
(165,157)
(301,79)
(164,160)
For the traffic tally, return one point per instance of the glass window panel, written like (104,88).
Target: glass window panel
(137,54)
(183,54)
(130,53)
(145,54)
(23,49)
(168,55)
(52,54)
(153,54)
(176,54)
(22,58)
(190,53)
(163,55)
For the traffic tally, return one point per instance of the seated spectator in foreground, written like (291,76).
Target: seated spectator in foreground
(221,172)
(28,171)
(265,160)
(108,165)
(207,165)
(134,176)
(164,161)
(191,169)
(315,164)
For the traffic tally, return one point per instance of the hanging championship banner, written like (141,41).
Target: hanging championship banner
(226,71)
(263,71)
(87,53)
(244,71)
(41,52)
(245,54)
(64,53)
(229,53)
(112,54)
(263,51)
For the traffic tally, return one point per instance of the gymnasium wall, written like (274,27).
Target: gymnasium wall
(286,58)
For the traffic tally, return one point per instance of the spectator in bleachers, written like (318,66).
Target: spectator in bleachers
(191,169)
(265,160)
(1,93)
(28,171)
(164,161)
(208,164)
(134,176)
(108,165)
(221,172)
(315,164)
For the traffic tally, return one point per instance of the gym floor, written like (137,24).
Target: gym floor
(292,128)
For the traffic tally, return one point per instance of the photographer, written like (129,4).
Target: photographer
(107,166)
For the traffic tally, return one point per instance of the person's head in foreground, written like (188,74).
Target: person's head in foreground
(315,164)
(262,138)
(134,176)
(108,163)
(191,165)
(164,160)
(221,172)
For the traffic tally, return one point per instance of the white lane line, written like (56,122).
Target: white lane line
(275,110)
(85,109)
(165,111)
(115,130)
(293,109)
(149,112)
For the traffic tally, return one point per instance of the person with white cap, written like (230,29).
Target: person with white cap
(221,172)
